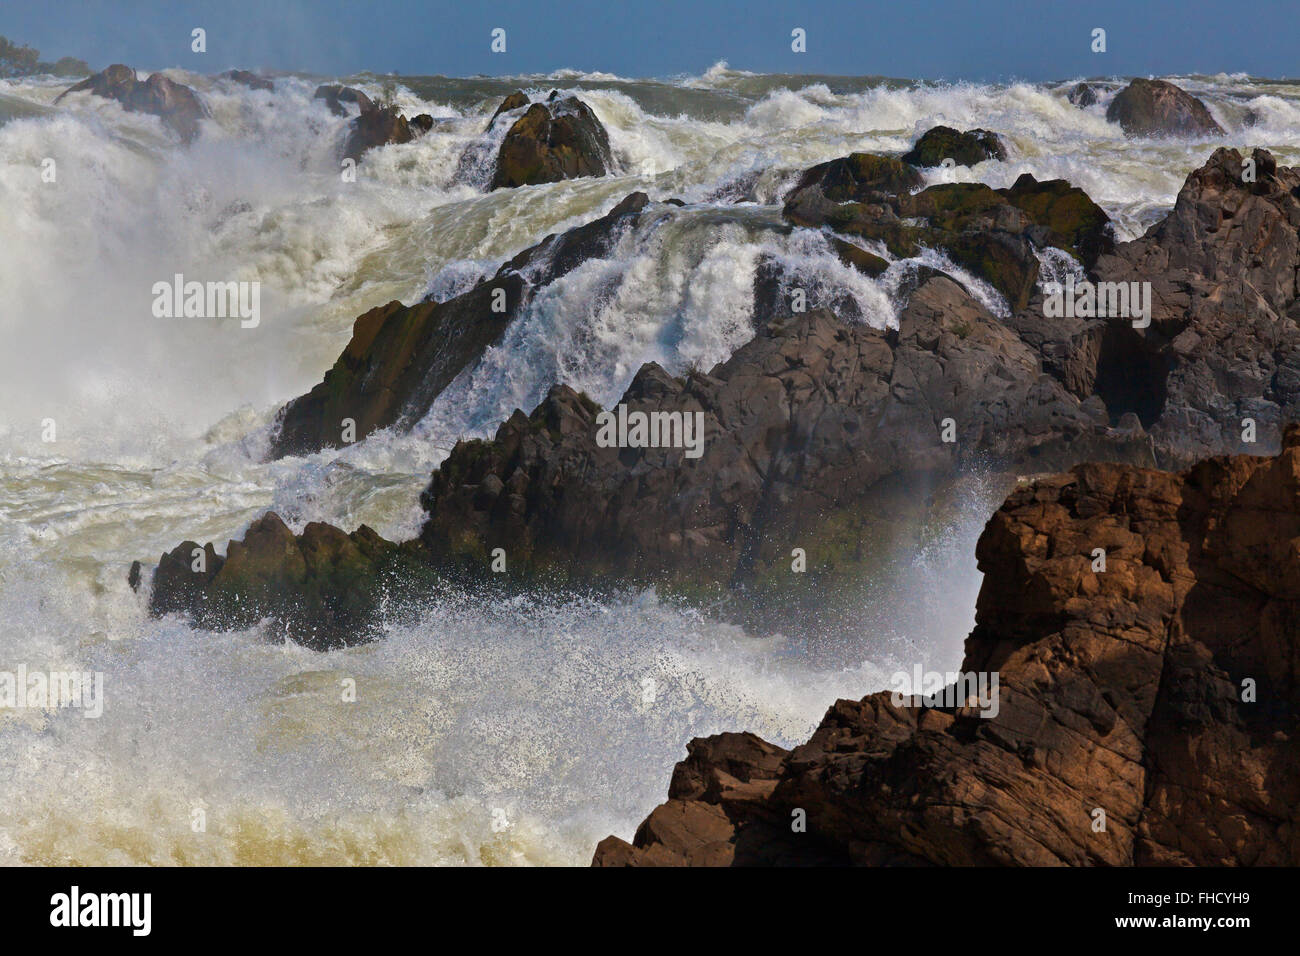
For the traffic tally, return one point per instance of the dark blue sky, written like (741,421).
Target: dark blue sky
(926,39)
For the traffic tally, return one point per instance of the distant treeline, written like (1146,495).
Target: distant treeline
(18,60)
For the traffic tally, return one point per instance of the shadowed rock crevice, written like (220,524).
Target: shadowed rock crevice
(1131,376)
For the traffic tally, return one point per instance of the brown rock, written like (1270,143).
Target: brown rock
(552,141)
(1120,690)
(1158,108)
(176,104)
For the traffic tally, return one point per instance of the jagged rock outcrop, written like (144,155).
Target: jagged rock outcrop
(799,426)
(1221,356)
(374,125)
(377,126)
(1162,692)
(813,427)
(321,588)
(556,140)
(996,234)
(1158,108)
(967,148)
(401,357)
(178,106)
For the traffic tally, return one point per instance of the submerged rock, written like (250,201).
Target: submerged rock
(321,588)
(995,234)
(1082,95)
(1162,692)
(248,79)
(964,149)
(1158,108)
(552,141)
(177,105)
(335,96)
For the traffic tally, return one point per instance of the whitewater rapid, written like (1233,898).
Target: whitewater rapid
(483,731)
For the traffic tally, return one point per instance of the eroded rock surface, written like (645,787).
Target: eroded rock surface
(1163,691)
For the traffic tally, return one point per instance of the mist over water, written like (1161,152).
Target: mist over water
(535,708)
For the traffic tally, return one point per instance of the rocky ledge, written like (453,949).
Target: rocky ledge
(1146,705)
(826,434)
(1158,108)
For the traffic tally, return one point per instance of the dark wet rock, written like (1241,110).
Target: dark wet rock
(867,263)
(335,96)
(1082,95)
(374,125)
(1158,108)
(552,141)
(856,178)
(824,429)
(401,357)
(995,234)
(1223,346)
(1121,691)
(178,106)
(251,80)
(516,100)
(967,148)
(377,126)
(321,588)
(800,426)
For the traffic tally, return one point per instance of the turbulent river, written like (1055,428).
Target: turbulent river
(508,732)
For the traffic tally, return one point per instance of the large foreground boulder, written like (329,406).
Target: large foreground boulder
(556,140)
(1145,711)
(1158,108)
(177,105)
